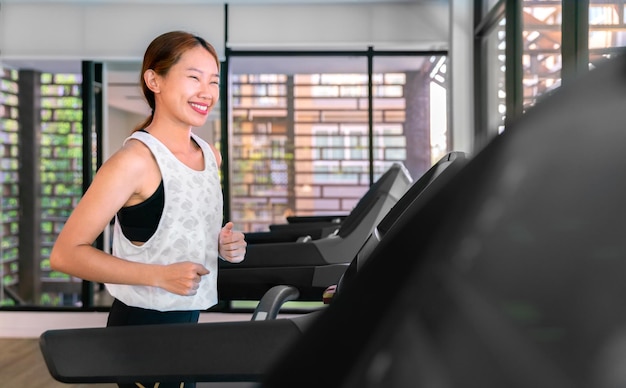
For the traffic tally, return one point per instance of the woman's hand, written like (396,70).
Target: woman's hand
(232,244)
(181,278)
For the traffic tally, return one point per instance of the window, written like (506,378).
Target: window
(496,88)
(541,56)
(38,208)
(60,176)
(301,141)
(9,191)
(410,111)
(607,30)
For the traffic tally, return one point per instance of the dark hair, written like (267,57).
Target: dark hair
(163,53)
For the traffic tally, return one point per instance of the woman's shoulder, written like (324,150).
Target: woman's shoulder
(135,148)
(132,155)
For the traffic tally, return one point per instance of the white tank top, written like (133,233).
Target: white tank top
(188,230)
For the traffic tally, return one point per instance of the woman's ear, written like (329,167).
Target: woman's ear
(150,78)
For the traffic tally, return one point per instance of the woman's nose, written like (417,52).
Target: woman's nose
(206,94)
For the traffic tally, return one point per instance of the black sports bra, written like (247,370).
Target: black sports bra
(140,221)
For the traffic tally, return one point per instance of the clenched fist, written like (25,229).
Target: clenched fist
(182,278)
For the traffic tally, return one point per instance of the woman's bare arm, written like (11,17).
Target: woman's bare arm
(126,178)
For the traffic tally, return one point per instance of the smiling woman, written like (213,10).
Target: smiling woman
(163,190)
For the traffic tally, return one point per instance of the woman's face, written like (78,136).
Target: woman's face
(190,90)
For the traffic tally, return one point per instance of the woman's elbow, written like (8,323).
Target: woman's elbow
(57,262)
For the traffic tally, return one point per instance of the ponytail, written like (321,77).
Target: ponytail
(145,123)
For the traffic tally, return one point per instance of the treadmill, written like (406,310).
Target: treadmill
(298,228)
(518,282)
(212,352)
(311,265)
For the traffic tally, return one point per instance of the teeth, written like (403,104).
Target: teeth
(201,107)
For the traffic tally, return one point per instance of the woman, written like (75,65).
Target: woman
(163,189)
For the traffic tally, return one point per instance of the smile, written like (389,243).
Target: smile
(199,107)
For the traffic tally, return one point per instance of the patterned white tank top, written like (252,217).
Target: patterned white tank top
(188,230)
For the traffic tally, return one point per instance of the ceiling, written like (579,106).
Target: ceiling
(123,91)
(256,2)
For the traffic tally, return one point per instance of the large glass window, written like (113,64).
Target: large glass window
(607,30)
(541,59)
(9,190)
(42,125)
(495,92)
(489,71)
(61,167)
(410,111)
(301,139)
(299,126)
(541,56)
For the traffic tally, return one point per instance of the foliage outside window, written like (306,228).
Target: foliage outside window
(61,176)
(9,190)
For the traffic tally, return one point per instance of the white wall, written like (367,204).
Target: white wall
(120,125)
(100,31)
(113,31)
(32,324)
(344,26)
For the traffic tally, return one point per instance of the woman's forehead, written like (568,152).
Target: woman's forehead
(198,59)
